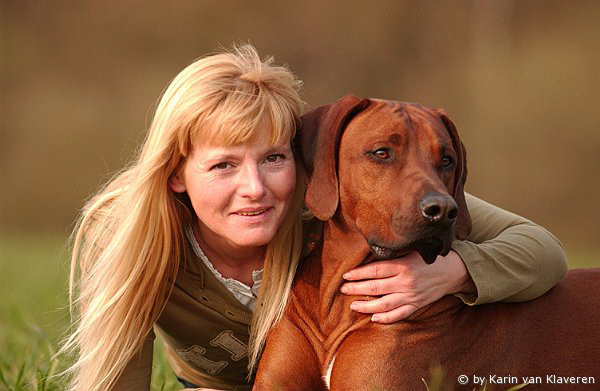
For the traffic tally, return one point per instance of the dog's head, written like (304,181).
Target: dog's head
(395,170)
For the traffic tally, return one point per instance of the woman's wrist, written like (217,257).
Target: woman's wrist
(463,283)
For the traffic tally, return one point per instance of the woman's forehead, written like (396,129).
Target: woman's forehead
(238,133)
(256,147)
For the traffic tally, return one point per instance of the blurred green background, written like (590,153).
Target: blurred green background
(79,81)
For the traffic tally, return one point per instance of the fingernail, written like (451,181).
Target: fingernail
(344,289)
(354,306)
(375,318)
(346,276)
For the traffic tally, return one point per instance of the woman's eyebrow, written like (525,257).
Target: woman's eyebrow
(276,148)
(221,156)
(209,161)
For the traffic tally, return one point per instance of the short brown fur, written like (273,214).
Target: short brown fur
(365,202)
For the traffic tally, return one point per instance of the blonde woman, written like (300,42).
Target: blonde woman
(198,240)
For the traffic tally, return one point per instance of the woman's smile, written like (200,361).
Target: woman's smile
(240,193)
(254,215)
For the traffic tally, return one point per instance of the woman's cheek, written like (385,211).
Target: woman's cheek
(217,198)
(290,182)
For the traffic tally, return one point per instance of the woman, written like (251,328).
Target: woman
(200,238)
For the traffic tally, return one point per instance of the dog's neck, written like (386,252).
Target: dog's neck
(345,248)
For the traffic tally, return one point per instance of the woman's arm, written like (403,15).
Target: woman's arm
(506,257)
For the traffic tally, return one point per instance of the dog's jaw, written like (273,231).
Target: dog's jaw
(381,252)
(429,247)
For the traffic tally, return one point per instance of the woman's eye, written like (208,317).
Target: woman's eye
(277,157)
(221,166)
(382,153)
(447,162)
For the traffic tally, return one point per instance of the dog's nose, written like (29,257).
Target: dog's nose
(438,208)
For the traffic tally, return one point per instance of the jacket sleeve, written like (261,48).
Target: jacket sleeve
(138,372)
(508,257)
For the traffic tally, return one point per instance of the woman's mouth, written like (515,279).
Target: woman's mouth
(255,213)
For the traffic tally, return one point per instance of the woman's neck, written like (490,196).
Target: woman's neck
(231,261)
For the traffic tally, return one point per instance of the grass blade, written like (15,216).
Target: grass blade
(19,377)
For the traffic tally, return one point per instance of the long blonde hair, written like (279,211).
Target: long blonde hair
(129,238)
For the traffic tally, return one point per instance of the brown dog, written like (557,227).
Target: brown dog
(387,177)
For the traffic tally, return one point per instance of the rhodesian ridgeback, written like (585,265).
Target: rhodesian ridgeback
(386,178)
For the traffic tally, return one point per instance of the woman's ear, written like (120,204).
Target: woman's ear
(176,183)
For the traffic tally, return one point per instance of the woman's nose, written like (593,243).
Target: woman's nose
(251,183)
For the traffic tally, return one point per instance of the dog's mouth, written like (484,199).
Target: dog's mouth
(382,252)
(428,248)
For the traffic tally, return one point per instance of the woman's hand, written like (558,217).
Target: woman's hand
(405,284)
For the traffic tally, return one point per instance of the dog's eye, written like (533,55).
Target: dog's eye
(447,162)
(382,153)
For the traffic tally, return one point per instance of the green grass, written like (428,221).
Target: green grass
(583,259)
(34,313)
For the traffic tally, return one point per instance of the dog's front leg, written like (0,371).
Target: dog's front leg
(289,362)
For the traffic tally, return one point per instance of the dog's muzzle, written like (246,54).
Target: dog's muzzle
(429,248)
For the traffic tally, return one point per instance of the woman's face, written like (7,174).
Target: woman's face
(239,193)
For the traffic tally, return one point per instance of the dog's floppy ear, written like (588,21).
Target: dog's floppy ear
(317,142)
(463,220)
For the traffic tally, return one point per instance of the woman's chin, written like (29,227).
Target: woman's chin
(253,239)
(252,243)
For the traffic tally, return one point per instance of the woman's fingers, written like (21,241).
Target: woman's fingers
(404,284)
(383,277)
(395,315)
(376,269)
(383,304)
(388,309)
(378,287)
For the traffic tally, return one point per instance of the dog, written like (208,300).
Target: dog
(387,178)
